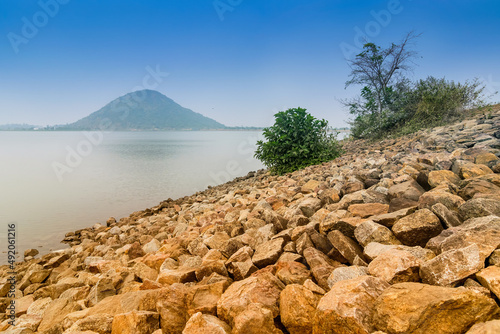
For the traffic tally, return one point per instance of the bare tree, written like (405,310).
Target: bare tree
(378,68)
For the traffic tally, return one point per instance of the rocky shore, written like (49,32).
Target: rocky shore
(397,236)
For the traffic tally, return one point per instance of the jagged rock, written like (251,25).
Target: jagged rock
(447,217)
(368,209)
(135,322)
(395,266)
(171,307)
(430,198)
(374,249)
(349,248)
(450,267)
(478,188)
(255,319)
(479,207)
(438,177)
(419,308)
(490,278)
(99,323)
(348,306)
(369,231)
(470,170)
(310,186)
(297,308)
(205,324)
(483,232)
(417,228)
(268,252)
(489,327)
(494,259)
(321,266)
(291,272)
(346,273)
(389,219)
(264,289)
(203,298)
(30,252)
(55,313)
(404,195)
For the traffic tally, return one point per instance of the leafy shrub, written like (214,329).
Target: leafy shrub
(296,140)
(408,107)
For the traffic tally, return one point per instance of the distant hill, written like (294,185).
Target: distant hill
(144,110)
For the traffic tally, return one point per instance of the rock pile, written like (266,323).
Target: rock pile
(399,236)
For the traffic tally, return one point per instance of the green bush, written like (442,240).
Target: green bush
(409,107)
(296,140)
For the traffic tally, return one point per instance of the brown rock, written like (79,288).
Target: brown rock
(374,249)
(297,308)
(346,273)
(404,195)
(171,305)
(449,218)
(452,202)
(264,289)
(135,322)
(369,231)
(309,206)
(416,308)
(368,209)
(345,245)
(292,272)
(268,252)
(31,252)
(348,306)
(490,278)
(479,207)
(99,323)
(489,327)
(480,189)
(395,266)
(484,232)
(310,186)
(56,311)
(470,170)
(321,266)
(255,319)
(437,177)
(205,324)
(389,219)
(449,268)
(204,298)
(485,158)
(417,228)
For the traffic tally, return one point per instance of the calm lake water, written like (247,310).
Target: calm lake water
(56,182)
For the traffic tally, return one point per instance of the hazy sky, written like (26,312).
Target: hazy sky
(237,61)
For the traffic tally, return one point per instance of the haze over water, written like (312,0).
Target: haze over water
(126,172)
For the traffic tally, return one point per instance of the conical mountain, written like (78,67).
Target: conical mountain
(144,110)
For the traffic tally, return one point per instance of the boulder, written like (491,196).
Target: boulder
(416,308)
(135,322)
(347,247)
(417,228)
(368,209)
(451,267)
(200,323)
(471,170)
(374,249)
(451,201)
(291,272)
(268,252)
(368,231)
(490,278)
(321,266)
(348,306)
(264,289)
(346,273)
(447,217)
(255,319)
(395,266)
(203,298)
(389,219)
(489,327)
(55,313)
(404,195)
(99,323)
(297,308)
(437,177)
(479,207)
(171,305)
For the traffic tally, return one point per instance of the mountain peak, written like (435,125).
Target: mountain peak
(145,110)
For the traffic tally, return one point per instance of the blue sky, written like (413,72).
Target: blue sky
(237,61)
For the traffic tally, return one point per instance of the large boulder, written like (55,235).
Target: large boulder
(396,266)
(415,308)
(264,289)
(404,195)
(255,319)
(200,323)
(321,266)
(368,231)
(348,306)
(453,266)
(490,278)
(417,228)
(297,308)
(135,322)
(346,246)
